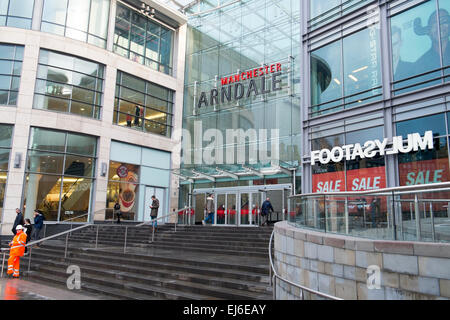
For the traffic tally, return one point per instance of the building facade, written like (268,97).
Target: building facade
(91,94)
(350,72)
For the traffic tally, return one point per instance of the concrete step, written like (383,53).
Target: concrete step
(256,273)
(117,287)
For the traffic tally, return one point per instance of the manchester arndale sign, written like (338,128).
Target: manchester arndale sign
(373,147)
(233,88)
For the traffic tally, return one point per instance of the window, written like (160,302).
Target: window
(346,73)
(5,150)
(143,40)
(325,11)
(60,174)
(11,57)
(84,20)
(69,84)
(142,105)
(418,53)
(16,13)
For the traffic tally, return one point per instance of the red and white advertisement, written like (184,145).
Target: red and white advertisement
(424,172)
(357,180)
(329,182)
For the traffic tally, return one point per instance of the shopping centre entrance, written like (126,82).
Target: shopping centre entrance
(241,206)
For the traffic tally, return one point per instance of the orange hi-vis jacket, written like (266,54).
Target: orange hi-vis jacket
(18,244)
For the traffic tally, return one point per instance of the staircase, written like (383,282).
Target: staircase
(196,262)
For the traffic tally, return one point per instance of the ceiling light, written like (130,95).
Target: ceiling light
(337,81)
(353,77)
(360,69)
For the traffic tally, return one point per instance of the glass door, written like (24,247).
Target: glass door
(244,209)
(231,210)
(256,200)
(221,204)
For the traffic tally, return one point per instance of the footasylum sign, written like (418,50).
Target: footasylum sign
(373,147)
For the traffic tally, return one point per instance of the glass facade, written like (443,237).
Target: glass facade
(143,105)
(84,20)
(16,13)
(346,73)
(326,11)
(143,40)
(11,57)
(5,150)
(69,84)
(420,40)
(259,42)
(60,174)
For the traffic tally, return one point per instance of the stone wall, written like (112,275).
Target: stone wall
(337,265)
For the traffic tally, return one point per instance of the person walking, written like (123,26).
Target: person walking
(117,211)
(154,211)
(28,228)
(16,251)
(38,224)
(209,209)
(18,221)
(266,208)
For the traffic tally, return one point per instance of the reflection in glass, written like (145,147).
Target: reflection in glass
(10,70)
(435,123)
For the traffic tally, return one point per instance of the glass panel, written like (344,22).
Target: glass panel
(55,11)
(76,198)
(98,23)
(4,7)
(5,135)
(244,208)
(5,82)
(132,82)
(77,35)
(415,45)
(436,123)
(256,207)
(7,52)
(43,139)
(220,217)
(231,209)
(79,166)
(81,109)
(22,8)
(45,162)
(50,103)
(4,159)
(81,144)
(3,176)
(42,192)
(52,28)
(3,97)
(78,14)
(326,77)
(6,67)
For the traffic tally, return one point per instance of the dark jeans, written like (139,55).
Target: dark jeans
(35,234)
(264,218)
(210,217)
(155,222)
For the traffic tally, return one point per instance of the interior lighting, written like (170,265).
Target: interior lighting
(337,81)
(353,77)
(360,69)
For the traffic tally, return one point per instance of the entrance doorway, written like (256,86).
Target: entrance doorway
(241,206)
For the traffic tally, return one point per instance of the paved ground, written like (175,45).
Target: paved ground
(18,289)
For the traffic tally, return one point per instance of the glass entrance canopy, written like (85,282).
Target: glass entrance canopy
(234,171)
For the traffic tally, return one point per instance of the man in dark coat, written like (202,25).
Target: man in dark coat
(38,224)
(154,210)
(266,208)
(18,220)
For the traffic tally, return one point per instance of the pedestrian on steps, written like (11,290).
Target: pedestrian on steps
(266,208)
(117,211)
(18,221)
(38,224)
(154,211)
(209,209)
(16,251)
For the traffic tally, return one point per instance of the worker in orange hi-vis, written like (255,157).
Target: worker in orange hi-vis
(17,250)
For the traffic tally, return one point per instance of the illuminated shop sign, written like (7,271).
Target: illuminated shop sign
(373,147)
(233,89)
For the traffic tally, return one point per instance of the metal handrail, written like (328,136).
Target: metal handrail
(30,244)
(162,217)
(77,217)
(419,188)
(302,288)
